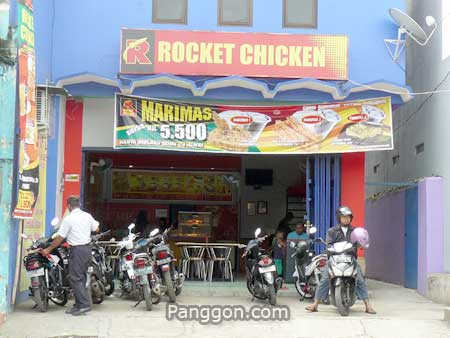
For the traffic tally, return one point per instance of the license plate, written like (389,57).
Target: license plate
(343,259)
(164,261)
(130,273)
(267,269)
(145,271)
(35,273)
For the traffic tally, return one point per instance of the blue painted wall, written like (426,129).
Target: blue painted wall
(86,33)
(43,27)
(7,116)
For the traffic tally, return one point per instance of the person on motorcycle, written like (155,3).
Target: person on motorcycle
(340,233)
(299,233)
(76,228)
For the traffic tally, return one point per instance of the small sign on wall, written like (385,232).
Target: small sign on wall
(72,177)
(161,213)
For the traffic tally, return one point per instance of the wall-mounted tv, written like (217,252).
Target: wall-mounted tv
(258,176)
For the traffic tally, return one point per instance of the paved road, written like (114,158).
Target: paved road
(401,313)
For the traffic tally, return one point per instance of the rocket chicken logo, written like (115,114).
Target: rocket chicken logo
(128,107)
(136,52)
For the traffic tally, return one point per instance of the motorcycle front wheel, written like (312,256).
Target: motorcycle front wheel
(342,299)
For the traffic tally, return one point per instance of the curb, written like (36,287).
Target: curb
(447,314)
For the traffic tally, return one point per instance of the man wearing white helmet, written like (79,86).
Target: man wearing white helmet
(340,233)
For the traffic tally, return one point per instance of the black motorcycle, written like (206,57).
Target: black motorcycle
(263,281)
(308,266)
(101,278)
(48,274)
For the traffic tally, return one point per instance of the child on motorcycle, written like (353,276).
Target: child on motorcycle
(279,251)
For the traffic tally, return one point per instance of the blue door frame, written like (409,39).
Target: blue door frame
(323,192)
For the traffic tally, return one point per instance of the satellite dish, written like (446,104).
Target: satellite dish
(409,26)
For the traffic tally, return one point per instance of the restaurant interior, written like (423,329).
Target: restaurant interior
(215,199)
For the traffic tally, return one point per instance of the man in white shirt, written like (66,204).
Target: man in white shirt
(76,228)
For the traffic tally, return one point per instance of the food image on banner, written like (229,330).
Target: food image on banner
(29,142)
(352,126)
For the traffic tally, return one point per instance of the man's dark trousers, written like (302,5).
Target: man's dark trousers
(79,261)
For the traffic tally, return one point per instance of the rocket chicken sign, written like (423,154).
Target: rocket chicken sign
(352,126)
(247,54)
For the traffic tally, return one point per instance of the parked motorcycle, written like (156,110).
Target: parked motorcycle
(101,281)
(48,274)
(263,281)
(172,280)
(127,278)
(308,268)
(149,289)
(342,274)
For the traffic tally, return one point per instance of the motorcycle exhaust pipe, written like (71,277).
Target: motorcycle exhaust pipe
(51,294)
(182,277)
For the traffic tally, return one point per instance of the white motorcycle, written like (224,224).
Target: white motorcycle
(342,274)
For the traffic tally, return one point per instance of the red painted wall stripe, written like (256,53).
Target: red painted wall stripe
(72,147)
(352,186)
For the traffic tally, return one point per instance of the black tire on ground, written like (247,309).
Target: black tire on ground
(272,295)
(41,295)
(169,285)
(341,300)
(109,287)
(62,299)
(147,297)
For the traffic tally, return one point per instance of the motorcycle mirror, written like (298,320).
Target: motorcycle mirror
(257,232)
(131,226)
(54,221)
(24,236)
(312,230)
(292,244)
(154,232)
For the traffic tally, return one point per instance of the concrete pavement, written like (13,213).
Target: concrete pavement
(401,313)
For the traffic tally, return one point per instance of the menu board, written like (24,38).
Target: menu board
(169,186)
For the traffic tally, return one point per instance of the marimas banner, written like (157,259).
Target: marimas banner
(146,51)
(29,141)
(351,126)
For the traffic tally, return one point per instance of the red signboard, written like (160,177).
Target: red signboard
(228,53)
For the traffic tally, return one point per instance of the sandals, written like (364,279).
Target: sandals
(371,312)
(311,308)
